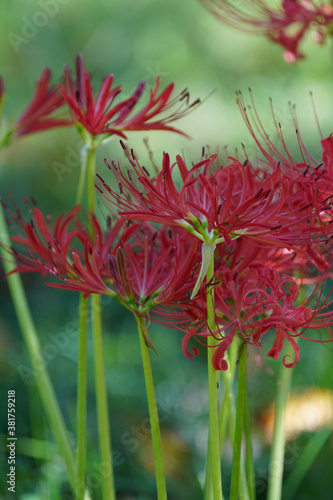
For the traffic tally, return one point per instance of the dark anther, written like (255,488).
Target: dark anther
(259,193)
(197,101)
(100,178)
(307,206)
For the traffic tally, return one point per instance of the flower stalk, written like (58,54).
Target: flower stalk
(83,175)
(213,448)
(153,412)
(38,363)
(250,472)
(279,436)
(241,395)
(102,404)
(82,401)
(101,389)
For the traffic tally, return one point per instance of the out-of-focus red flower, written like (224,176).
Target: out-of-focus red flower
(103,116)
(287,24)
(39,114)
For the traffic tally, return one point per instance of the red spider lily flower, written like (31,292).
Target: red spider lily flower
(38,116)
(286,25)
(136,265)
(309,181)
(141,267)
(45,249)
(103,116)
(143,270)
(256,302)
(220,204)
(216,204)
(309,264)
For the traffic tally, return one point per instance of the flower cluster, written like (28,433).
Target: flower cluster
(267,231)
(264,228)
(287,24)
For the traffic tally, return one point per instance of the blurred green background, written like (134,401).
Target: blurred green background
(135,40)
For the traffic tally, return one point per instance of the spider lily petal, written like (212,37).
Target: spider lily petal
(38,116)
(102,116)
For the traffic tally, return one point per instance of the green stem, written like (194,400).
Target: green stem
(102,404)
(91,178)
(208,479)
(213,448)
(278,446)
(250,474)
(38,363)
(228,408)
(101,389)
(241,394)
(153,412)
(304,463)
(228,400)
(82,401)
(83,174)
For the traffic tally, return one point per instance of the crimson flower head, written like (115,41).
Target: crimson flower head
(308,181)
(135,264)
(140,267)
(252,301)
(102,115)
(40,248)
(214,203)
(285,25)
(39,114)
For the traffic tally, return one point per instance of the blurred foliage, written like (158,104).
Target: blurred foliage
(135,40)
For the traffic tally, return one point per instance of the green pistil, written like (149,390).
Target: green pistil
(186,225)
